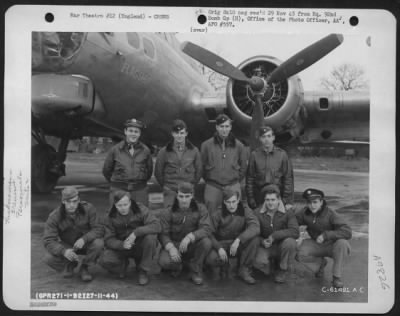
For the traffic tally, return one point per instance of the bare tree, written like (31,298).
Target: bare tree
(345,77)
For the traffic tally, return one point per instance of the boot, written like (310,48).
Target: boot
(143,278)
(68,271)
(216,273)
(320,272)
(123,268)
(225,272)
(85,275)
(177,272)
(197,278)
(196,273)
(229,269)
(337,282)
(280,276)
(245,275)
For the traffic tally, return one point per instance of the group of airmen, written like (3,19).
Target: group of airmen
(230,234)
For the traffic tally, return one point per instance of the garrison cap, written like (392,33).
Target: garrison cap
(222,118)
(68,193)
(227,194)
(178,125)
(185,187)
(270,188)
(312,194)
(134,123)
(264,129)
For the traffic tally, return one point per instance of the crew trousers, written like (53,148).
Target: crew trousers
(195,256)
(284,251)
(246,253)
(145,252)
(90,252)
(338,250)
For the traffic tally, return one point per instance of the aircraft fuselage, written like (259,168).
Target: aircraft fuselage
(140,75)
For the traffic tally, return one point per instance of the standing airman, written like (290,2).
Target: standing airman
(128,165)
(269,164)
(177,162)
(224,163)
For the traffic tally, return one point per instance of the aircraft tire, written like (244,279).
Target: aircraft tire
(43,156)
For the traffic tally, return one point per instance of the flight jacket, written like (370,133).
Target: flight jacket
(61,228)
(282,225)
(170,170)
(241,224)
(326,222)
(120,167)
(270,168)
(223,167)
(177,223)
(118,227)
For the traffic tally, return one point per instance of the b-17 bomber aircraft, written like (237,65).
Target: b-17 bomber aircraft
(89,84)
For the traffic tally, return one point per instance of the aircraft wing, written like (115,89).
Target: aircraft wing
(335,116)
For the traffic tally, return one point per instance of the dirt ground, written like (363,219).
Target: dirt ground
(346,191)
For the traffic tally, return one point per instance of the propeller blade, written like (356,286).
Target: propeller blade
(213,61)
(306,57)
(257,120)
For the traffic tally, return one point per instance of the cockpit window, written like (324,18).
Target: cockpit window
(148,47)
(57,44)
(134,40)
(70,43)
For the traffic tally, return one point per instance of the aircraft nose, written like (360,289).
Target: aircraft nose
(54,51)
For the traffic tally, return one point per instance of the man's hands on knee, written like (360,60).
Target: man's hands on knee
(223,255)
(185,242)
(173,252)
(267,242)
(79,244)
(70,255)
(234,247)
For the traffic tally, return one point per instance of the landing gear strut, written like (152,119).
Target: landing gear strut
(47,165)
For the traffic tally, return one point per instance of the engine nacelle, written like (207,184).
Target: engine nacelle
(281,102)
(60,103)
(70,95)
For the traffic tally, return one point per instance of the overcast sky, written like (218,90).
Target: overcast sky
(236,48)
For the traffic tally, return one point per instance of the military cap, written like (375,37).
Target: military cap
(68,193)
(222,118)
(134,123)
(264,129)
(312,194)
(270,188)
(185,187)
(227,194)
(178,125)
